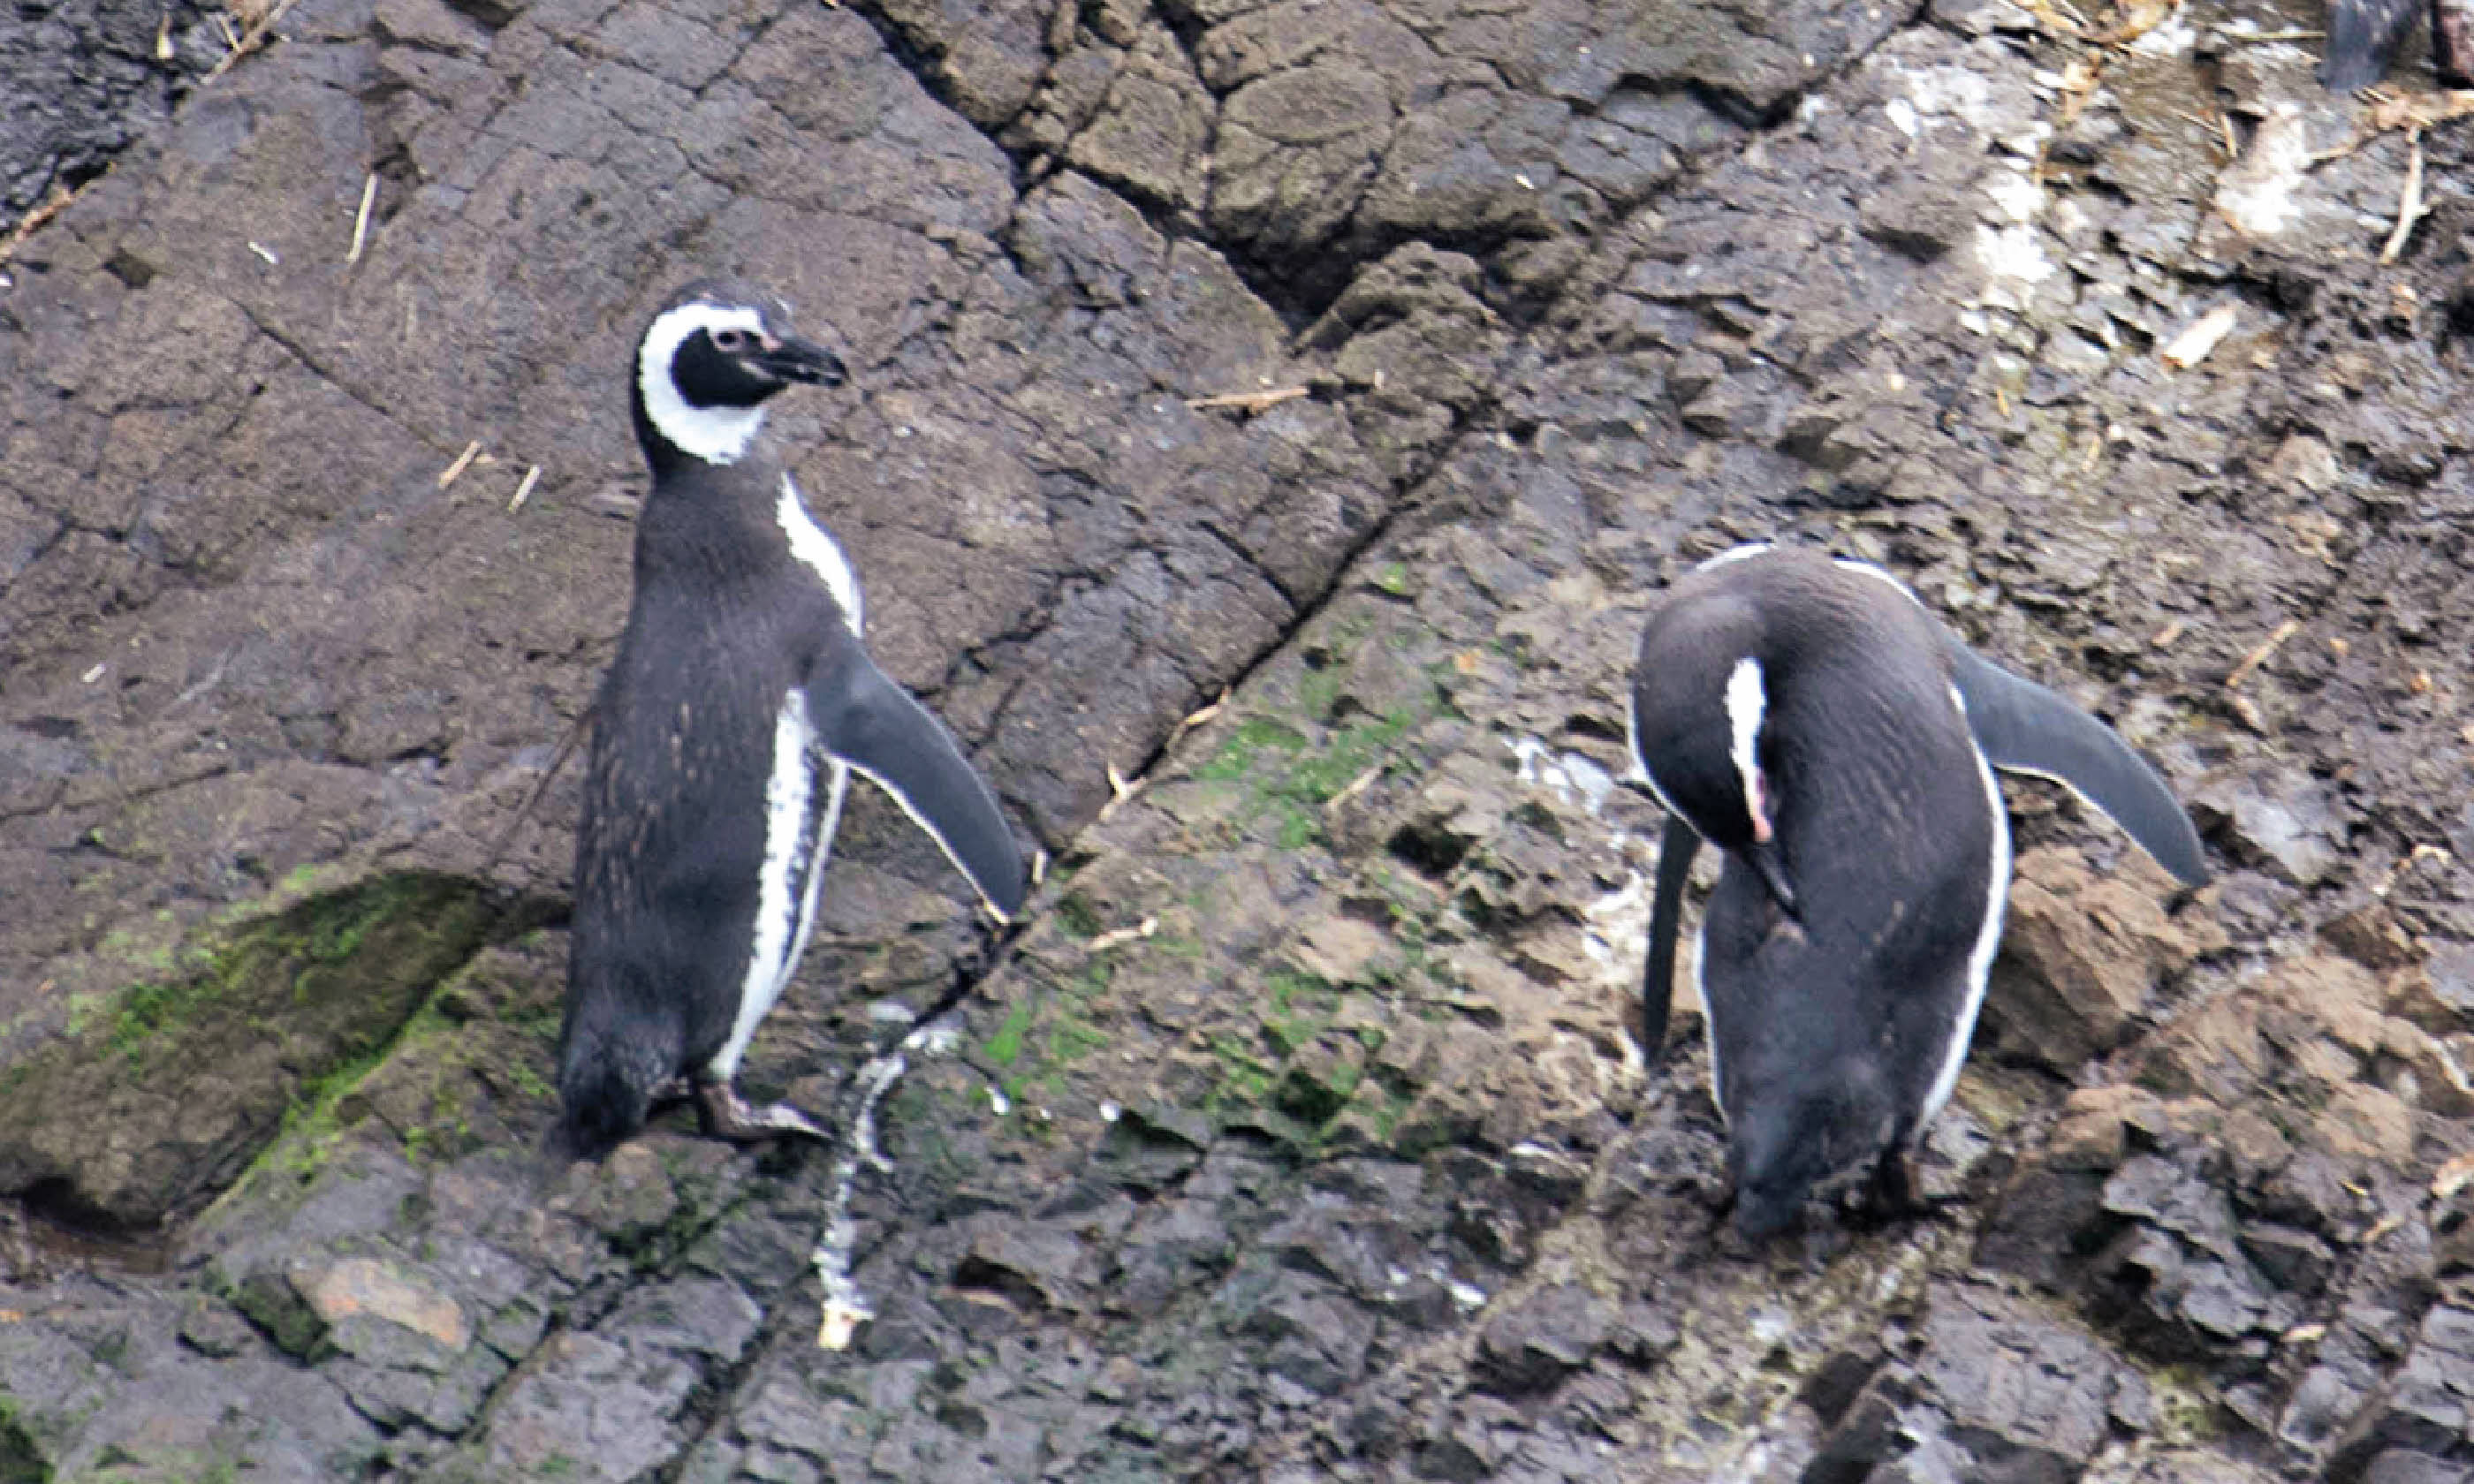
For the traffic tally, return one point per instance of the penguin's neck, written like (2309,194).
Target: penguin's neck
(711,522)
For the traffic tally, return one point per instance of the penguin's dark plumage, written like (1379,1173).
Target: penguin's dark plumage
(1810,718)
(724,736)
(2364,37)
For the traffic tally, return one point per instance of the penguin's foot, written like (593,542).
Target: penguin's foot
(725,1114)
(677,1089)
(1891,1196)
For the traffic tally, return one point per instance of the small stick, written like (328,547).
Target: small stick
(558,760)
(1136,934)
(2295,34)
(1250,401)
(524,491)
(36,219)
(250,41)
(361,219)
(1197,718)
(1356,786)
(2409,209)
(1120,791)
(2258,657)
(463,460)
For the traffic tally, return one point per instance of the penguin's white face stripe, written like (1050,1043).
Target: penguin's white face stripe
(822,555)
(1880,574)
(929,830)
(781,922)
(1746,702)
(1733,554)
(1988,937)
(717,435)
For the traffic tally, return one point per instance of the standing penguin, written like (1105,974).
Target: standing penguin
(725,733)
(1810,718)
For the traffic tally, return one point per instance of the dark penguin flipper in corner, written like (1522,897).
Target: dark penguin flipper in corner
(1676,847)
(864,719)
(2363,36)
(2024,727)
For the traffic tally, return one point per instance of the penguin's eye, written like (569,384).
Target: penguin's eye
(730,342)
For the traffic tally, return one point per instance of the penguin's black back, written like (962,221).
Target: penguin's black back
(724,625)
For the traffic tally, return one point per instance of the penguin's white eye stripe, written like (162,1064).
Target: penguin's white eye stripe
(1747,702)
(717,435)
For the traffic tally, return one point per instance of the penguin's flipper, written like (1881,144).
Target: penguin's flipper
(866,720)
(2024,727)
(2363,36)
(1676,847)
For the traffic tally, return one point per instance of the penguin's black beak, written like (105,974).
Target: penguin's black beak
(1771,867)
(794,359)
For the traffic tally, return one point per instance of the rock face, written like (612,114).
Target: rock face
(1293,409)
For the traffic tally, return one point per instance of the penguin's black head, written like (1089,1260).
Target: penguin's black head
(1699,712)
(706,363)
(1779,1147)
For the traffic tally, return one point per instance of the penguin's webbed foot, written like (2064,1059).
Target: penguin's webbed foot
(724,1115)
(675,1089)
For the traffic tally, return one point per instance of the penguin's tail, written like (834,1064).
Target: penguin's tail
(604,1092)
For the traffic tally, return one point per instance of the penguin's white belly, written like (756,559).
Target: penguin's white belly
(1988,940)
(798,840)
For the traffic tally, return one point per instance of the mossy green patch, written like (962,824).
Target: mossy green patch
(260,1027)
(21,1458)
(1004,1047)
(1076,917)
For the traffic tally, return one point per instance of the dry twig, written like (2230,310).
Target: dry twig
(2258,657)
(2390,111)
(2410,206)
(247,42)
(1124,935)
(36,220)
(463,460)
(2203,334)
(1247,401)
(361,219)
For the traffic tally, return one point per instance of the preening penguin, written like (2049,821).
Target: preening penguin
(1810,718)
(739,704)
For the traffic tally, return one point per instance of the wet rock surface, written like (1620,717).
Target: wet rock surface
(1303,1130)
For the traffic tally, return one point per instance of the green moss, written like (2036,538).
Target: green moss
(1393,577)
(1255,735)
(2187,1413)
(1078,917)
(304,949)
(1072,1040)
(264,1027)
(21,1460)
(1004,1047)
(1319,693)
(1297,1007)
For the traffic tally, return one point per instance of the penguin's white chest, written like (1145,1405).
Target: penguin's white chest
(803,808)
